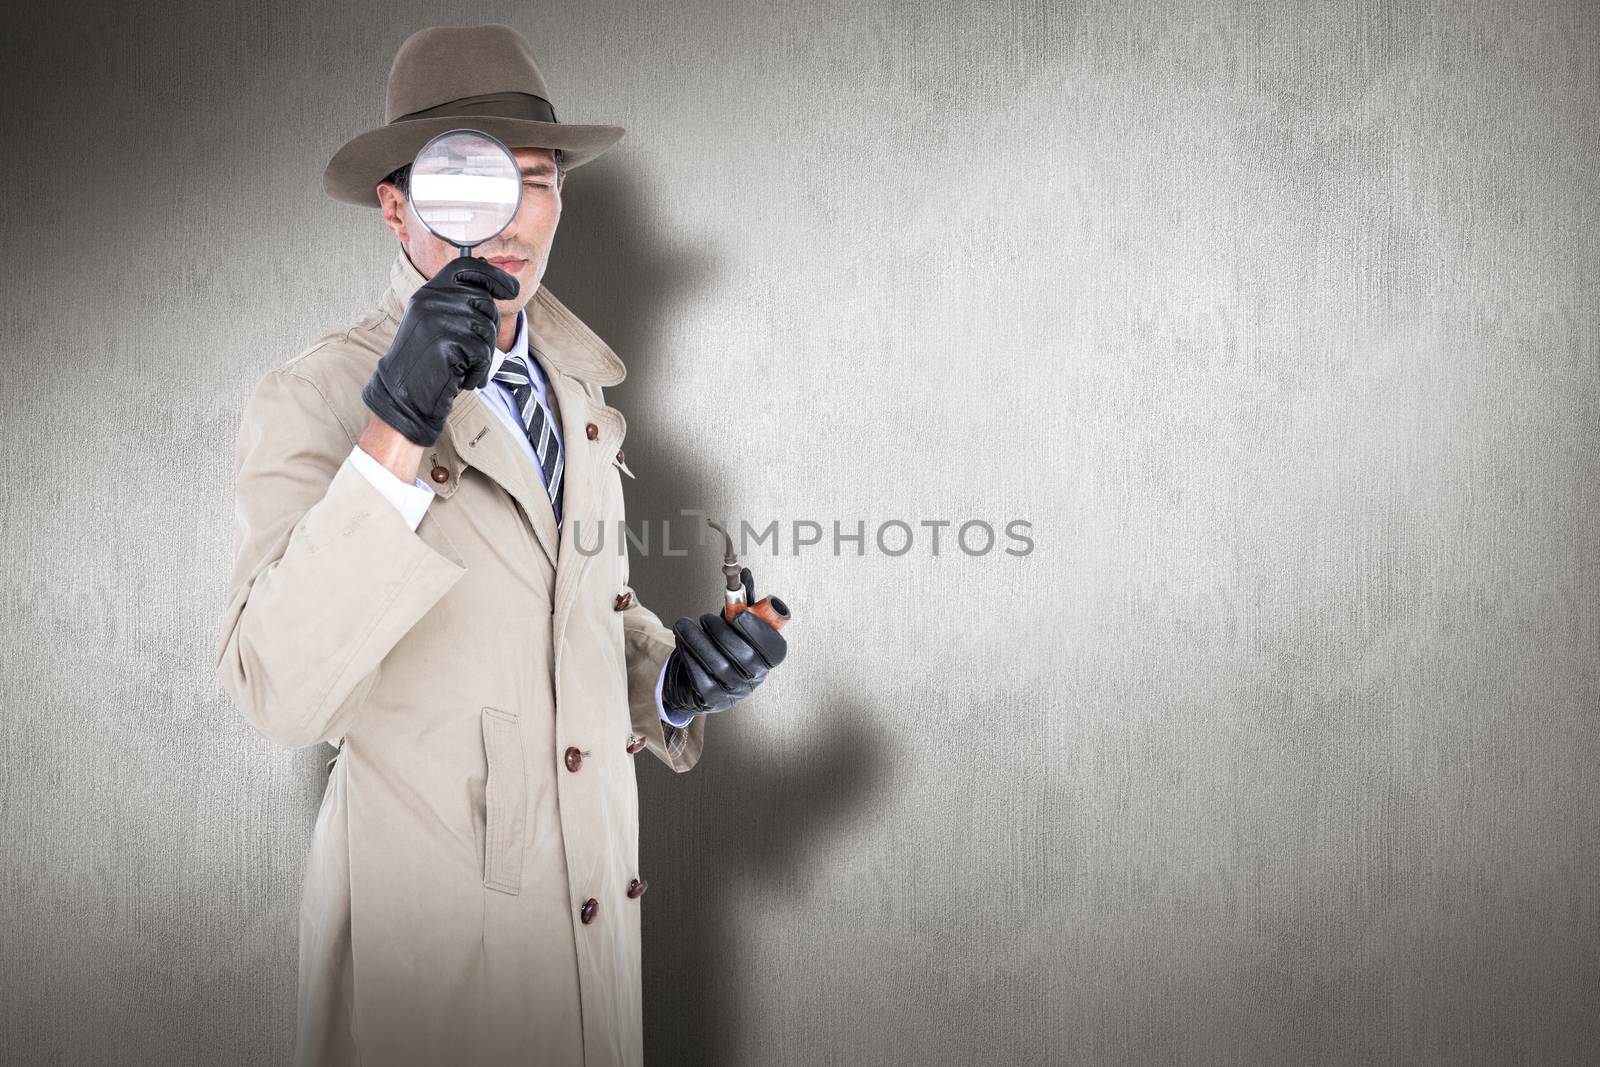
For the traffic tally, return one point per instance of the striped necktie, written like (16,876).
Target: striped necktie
(513,373)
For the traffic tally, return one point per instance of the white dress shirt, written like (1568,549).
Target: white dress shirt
(413,500)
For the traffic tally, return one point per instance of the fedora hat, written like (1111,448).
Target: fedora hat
(445,77)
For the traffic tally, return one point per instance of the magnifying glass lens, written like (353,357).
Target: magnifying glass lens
(465,187)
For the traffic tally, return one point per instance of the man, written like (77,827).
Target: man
(407,587)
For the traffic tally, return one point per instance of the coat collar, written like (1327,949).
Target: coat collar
(565,342)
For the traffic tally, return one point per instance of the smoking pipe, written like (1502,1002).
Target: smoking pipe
(769,608)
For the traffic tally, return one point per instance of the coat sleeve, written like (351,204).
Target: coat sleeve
(327,574)
(648,644)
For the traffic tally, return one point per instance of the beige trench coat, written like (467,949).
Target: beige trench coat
(491,685)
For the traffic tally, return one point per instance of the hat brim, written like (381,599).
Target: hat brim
(356,168)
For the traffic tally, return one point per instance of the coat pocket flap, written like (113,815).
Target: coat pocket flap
(505,801)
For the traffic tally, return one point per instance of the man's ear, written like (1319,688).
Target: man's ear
(393,202)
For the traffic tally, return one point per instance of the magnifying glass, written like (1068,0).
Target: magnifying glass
(465,187)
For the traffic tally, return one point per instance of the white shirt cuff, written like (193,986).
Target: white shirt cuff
(667,716)
(411,500)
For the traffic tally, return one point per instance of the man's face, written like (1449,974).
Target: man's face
(522,249)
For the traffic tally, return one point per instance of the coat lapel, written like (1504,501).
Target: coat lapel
(586,460)
(483,440)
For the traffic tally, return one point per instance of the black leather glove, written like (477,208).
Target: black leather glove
(718,663)
(445,344)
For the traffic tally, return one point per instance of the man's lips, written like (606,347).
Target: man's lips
(510,266)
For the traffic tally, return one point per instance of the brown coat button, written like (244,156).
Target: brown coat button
(623,602)
(441,474)
(574,758)
(636,743)
(636,888)
(590,908)
(620,458)
(591,431)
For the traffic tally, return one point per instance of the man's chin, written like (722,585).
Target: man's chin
(509,308)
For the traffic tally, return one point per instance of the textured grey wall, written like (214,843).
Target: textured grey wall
(1277,320)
